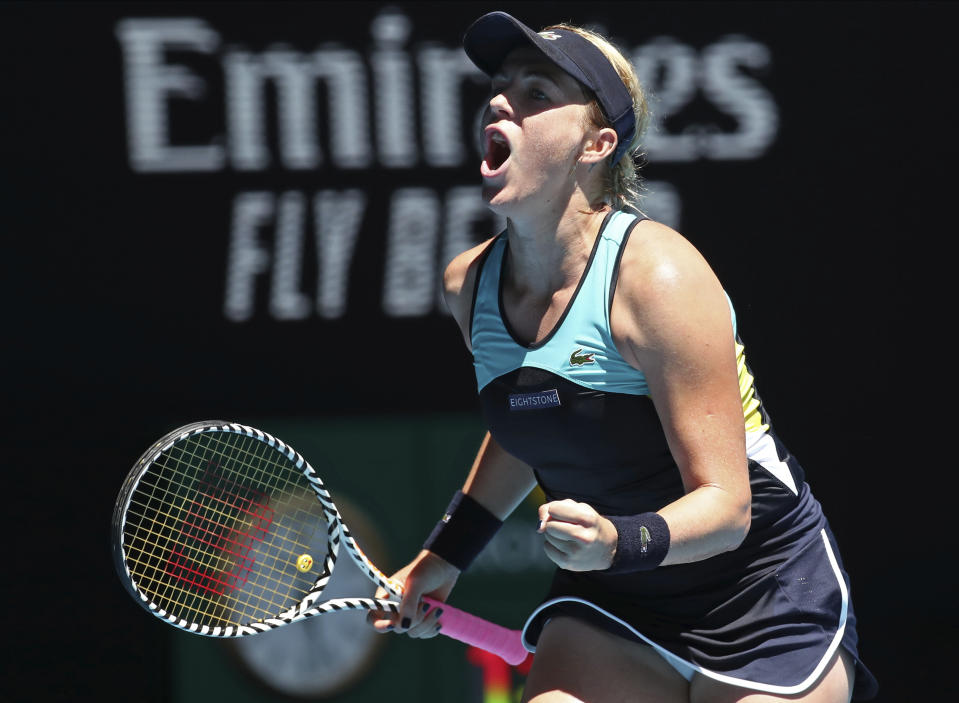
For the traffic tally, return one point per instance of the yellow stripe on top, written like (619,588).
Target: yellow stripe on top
(752,409)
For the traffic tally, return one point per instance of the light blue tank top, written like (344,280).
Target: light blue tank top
(580,348)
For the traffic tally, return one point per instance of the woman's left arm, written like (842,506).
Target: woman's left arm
(671,320)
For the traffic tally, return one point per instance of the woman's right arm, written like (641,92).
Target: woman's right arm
(497,481)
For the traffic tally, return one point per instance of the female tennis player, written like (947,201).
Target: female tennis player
(694,563)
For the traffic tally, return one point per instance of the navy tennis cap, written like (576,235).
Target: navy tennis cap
(490,38)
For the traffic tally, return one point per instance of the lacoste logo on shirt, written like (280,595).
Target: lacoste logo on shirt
(577,358)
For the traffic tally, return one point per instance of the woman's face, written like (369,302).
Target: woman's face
(534,134)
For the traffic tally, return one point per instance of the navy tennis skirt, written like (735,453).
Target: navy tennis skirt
(774,633)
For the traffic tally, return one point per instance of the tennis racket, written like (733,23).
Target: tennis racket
(212,533)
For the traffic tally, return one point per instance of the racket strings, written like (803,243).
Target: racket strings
(189,513)
(278,546)
(219,520)
(250,538)
(226,509)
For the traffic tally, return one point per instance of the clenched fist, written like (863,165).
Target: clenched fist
(577,537)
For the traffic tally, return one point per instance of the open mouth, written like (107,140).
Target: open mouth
(497,152)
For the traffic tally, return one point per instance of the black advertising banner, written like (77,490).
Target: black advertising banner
(244,210)
(282,187)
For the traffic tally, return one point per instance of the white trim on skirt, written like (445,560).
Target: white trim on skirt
(687,668)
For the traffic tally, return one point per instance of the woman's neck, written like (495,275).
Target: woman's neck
(548,252)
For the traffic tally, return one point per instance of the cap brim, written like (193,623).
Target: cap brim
(489,40)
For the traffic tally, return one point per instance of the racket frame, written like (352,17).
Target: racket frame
(338,534)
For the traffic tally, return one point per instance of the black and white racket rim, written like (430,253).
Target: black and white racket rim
(223,530)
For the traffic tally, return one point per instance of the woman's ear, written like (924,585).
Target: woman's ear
(602,145)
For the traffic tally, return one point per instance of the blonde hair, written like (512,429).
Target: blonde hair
(621,182)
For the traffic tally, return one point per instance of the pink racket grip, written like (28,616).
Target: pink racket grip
(508,644)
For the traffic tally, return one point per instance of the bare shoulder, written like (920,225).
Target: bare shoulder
(666,290)
(459,280)
(657,255)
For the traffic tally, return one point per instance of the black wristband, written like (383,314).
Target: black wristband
(642,544)
(465,529)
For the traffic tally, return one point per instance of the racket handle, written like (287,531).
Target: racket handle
(475,631)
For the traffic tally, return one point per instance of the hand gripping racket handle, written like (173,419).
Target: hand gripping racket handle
(506,643)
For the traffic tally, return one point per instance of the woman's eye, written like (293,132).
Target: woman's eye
(537,94)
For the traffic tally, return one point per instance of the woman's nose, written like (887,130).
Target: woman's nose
(499,105)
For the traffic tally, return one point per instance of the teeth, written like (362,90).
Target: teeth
(498,138)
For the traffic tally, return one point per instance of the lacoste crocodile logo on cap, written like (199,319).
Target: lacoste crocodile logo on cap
(577,358)
(552,36)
